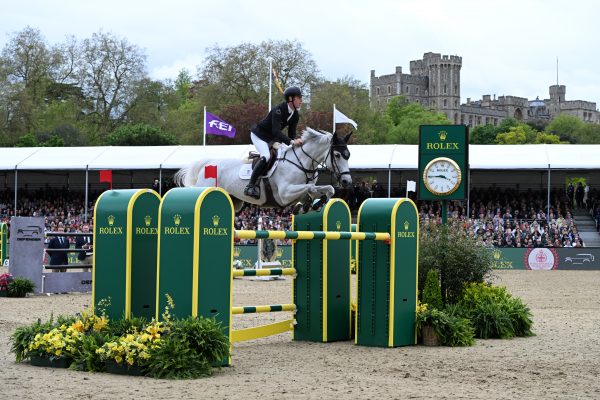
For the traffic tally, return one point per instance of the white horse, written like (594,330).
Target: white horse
(291,182)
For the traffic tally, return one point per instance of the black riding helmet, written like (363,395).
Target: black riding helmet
(292,91)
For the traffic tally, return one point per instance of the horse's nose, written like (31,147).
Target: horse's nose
(346,181)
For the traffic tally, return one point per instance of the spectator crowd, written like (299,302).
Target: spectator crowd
(497,217)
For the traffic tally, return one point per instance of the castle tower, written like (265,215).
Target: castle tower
(443,73)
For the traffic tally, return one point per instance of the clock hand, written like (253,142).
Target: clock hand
(438,176)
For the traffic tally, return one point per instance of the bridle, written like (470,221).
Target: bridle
(312,173)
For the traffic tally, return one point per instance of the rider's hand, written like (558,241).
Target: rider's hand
(297,142)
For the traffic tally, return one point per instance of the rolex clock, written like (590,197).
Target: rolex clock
(442,176)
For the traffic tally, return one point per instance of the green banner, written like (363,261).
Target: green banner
(247,255)
(573,258)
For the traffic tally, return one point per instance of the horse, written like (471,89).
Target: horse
(291,181)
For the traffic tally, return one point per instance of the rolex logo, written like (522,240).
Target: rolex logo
(236,251)
(497,254)
(338,225)
(215,220)
(442,135)
(177,219)
(111,220)
(147,220)
(406,225)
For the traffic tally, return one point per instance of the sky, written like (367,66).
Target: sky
(508,47)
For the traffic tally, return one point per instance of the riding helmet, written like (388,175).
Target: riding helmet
(292,91)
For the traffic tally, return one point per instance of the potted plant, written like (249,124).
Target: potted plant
(20,287)
(5,280)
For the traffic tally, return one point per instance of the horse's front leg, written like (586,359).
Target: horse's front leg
(322,194)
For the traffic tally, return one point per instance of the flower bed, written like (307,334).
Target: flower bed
(171,348)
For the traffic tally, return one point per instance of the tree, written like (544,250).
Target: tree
(24,63)
(483,134)
(240,74)
(110,69)
(547,138)
(589,134)
(515,135)
(565,126)
(406,117)
(140,135)
(348,94)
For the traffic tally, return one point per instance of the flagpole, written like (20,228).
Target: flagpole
(270,80)
(333,129)
(204,129)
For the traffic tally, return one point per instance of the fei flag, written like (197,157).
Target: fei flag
(340,118)
(216,126)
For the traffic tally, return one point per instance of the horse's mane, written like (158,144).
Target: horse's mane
(310,134)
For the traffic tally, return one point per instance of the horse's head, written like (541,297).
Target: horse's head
(339,156)
(327,148)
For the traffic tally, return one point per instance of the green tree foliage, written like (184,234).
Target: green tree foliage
(238,74)
(483,134)
(547,138)
(140,135)
(111,68)
(459,259)
(515,135)
(406,117)
(432,293)
(566,127)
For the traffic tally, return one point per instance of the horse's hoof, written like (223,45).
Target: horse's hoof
(319,203)
(297,207)
(306,207)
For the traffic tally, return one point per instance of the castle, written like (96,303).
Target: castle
(434,82)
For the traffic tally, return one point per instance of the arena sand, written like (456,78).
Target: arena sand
(561,362)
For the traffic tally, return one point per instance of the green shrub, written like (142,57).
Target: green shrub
(457,257)
(432,293)
(19,287)
(452,330)
(494,313)
(24,335)
(85,356)
(190,349)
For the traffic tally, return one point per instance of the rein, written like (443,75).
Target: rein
(312,173)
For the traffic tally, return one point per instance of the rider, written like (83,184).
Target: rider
(270,129)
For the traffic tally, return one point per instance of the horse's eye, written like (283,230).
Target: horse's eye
(337,155)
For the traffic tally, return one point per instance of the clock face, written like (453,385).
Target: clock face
(442,176)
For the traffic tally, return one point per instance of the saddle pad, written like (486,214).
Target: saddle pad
(245,170)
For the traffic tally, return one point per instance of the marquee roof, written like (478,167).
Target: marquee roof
(363,157)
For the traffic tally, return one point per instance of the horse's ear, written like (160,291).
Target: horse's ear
(347,138)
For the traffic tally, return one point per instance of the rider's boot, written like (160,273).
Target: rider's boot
(253,190)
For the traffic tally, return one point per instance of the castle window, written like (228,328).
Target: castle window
(456,103)
(407,89)
(417,90)
(478,120)
(445,89)
(377,90)
(445,103)
(389,89)
(455,89)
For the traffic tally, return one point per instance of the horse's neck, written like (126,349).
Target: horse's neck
(311,154)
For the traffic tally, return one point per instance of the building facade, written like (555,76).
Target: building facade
(434,82)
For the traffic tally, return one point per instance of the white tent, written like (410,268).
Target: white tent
(363,157)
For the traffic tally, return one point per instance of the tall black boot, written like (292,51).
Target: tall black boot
(253,190)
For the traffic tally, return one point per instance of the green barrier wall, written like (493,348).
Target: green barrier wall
(3,243)
(322,287)
(387,274)
(124,260)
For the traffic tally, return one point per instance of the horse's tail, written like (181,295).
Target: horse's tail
(188,175)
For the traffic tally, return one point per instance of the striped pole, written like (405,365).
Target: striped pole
(264,272)
(263,309)
(312,235)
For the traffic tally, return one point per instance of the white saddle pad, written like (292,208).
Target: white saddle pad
(246,169)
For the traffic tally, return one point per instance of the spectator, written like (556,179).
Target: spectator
(579,193)
(58,242)
(570,193)
(85,243)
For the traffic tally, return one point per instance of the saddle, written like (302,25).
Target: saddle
(253,157)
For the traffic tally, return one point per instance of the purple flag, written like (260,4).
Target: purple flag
(216,126)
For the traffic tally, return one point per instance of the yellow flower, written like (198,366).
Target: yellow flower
(118,359)
(100,323)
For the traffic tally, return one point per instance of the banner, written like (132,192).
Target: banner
(276,80)
(546,258)
(411,186)
(106,176)
(216,126)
